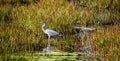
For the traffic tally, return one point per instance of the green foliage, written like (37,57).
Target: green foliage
(17,2)
(10,58)
(20,28)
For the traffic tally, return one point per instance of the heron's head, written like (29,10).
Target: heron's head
(42,22)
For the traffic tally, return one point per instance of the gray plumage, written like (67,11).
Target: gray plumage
(49,32)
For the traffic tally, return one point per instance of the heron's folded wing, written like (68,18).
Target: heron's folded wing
(52,32)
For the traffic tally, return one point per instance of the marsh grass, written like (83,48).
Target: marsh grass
(20,29)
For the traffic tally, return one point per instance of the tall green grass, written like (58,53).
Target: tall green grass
(20,28)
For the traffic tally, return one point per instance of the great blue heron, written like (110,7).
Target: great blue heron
(49,32)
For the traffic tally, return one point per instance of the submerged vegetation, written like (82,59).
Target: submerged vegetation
(20,29)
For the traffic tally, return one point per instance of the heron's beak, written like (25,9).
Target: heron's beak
(41,22)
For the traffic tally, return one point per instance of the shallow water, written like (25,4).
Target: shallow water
(55,56)
(40,56)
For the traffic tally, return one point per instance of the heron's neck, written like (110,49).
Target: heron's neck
(43,27)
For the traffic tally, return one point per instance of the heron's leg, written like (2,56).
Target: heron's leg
(48,40)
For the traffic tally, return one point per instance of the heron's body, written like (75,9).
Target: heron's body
(49,32)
